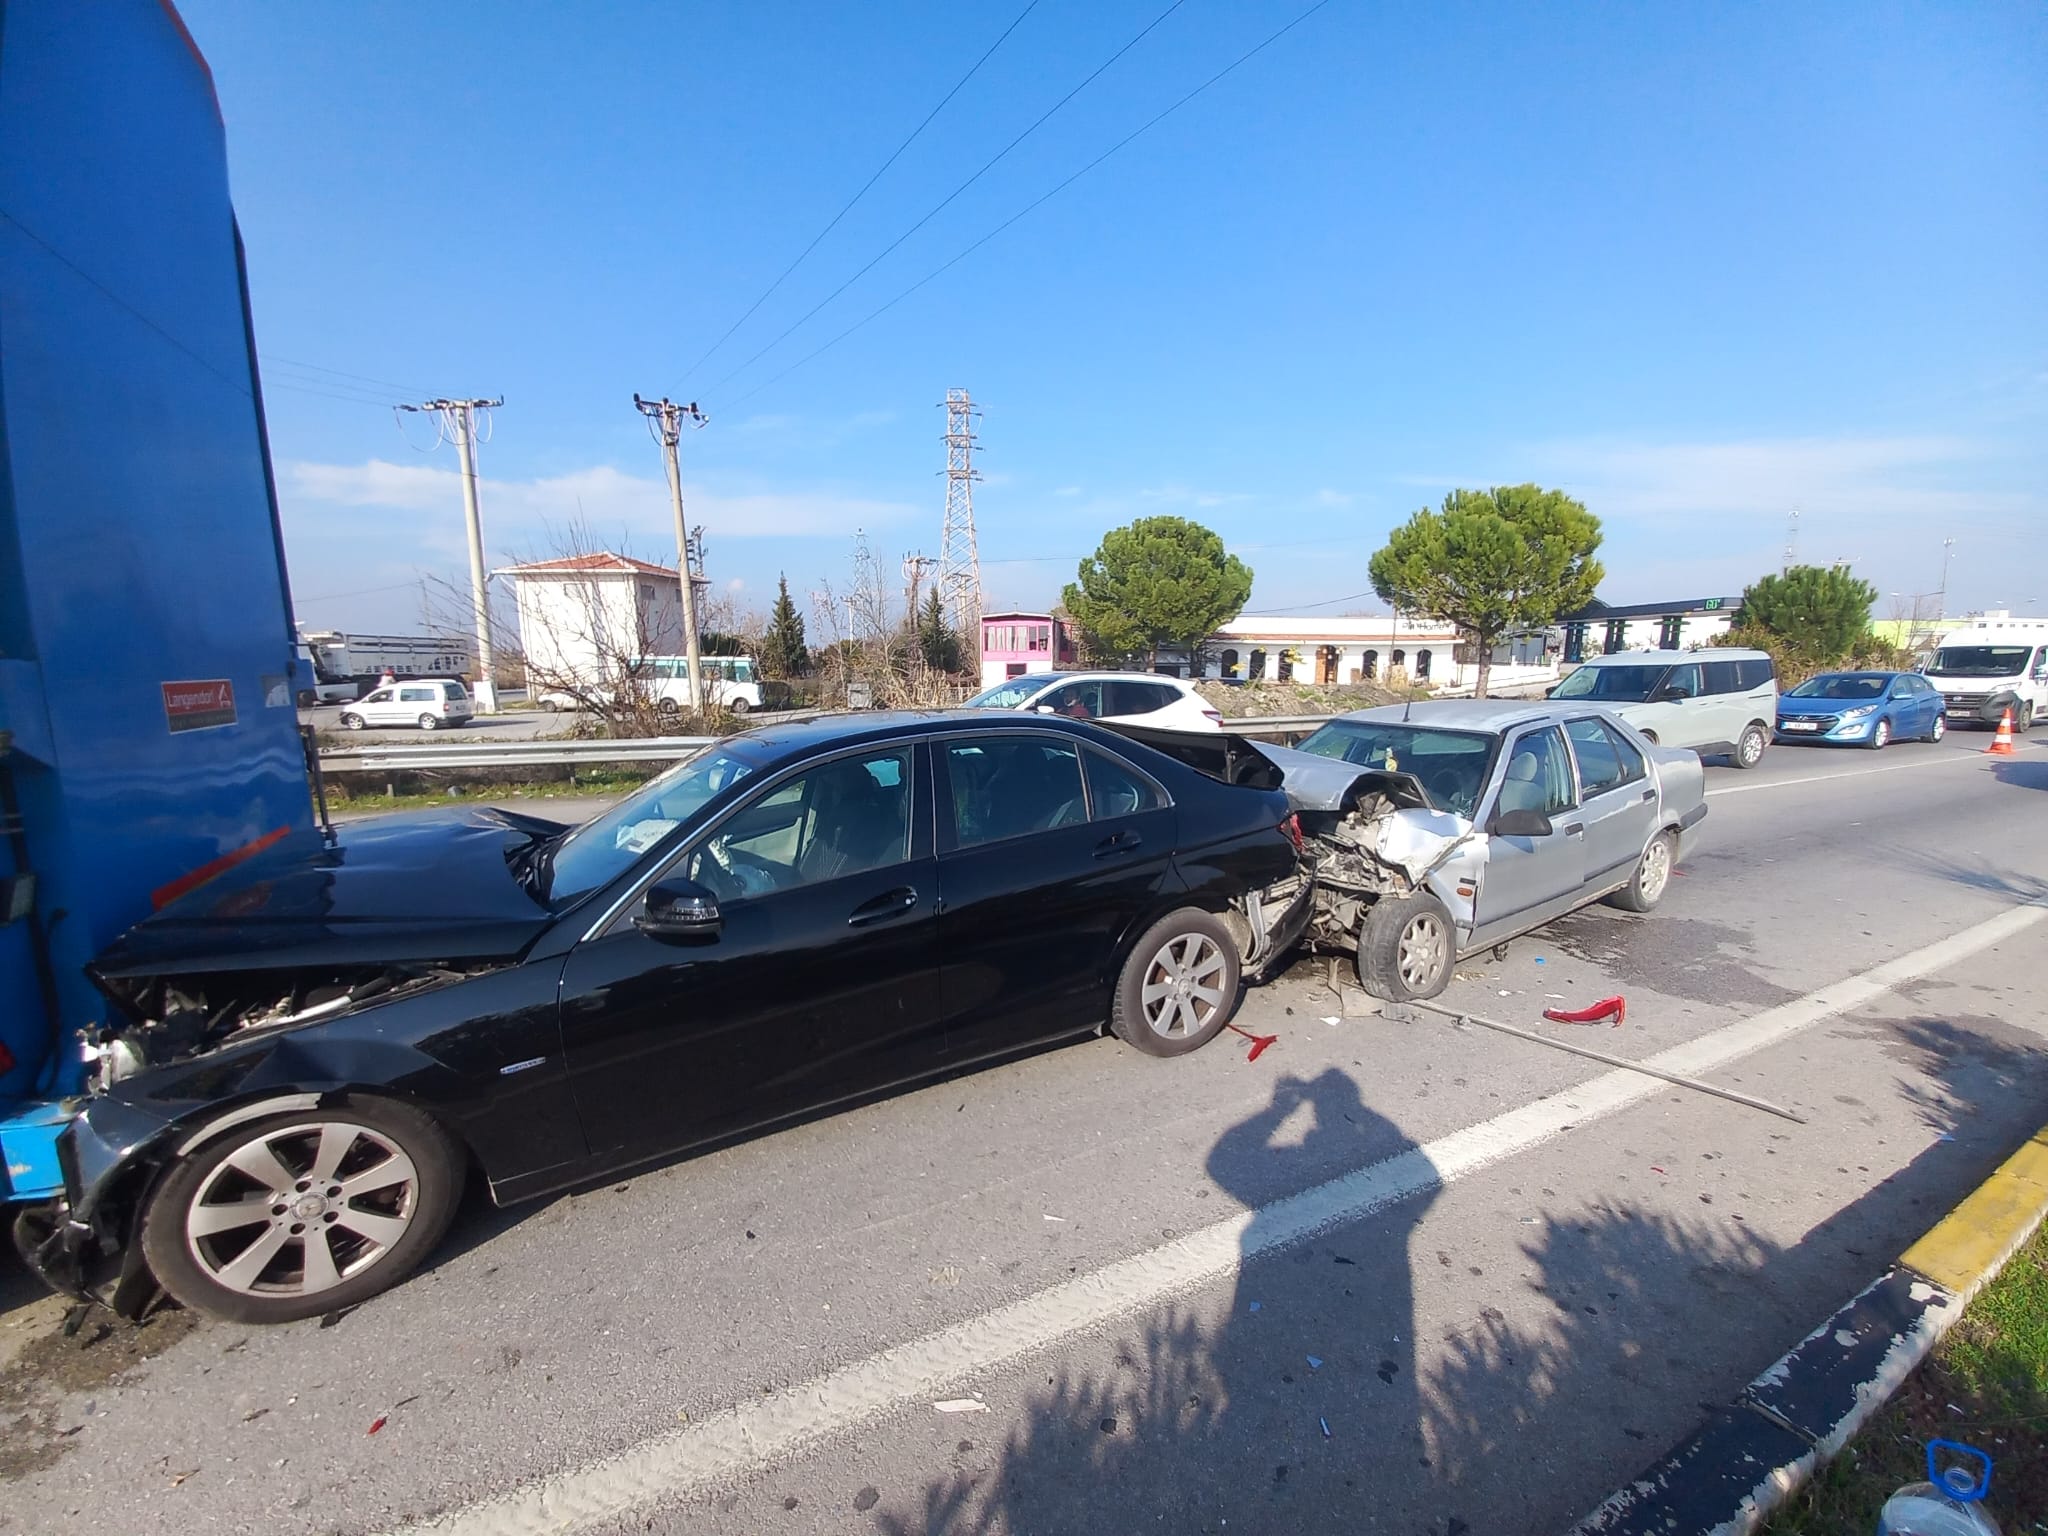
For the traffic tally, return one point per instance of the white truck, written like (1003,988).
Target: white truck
(316,686)
(1993,664)
(364,659)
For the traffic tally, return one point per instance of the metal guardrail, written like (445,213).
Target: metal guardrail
(400,757)
(510,754)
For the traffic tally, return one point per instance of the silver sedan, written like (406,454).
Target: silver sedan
(1442,828)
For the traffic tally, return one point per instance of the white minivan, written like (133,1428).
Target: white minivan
(428,702)
(1719,702)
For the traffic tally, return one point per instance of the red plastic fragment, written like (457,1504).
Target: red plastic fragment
(377,1423)
(1259,1042)
(1608,1007)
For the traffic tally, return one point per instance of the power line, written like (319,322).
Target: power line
(330,597)
(1328,602)
(863,192)
(358,378)
(1028,208)
(950,196)
(308,389)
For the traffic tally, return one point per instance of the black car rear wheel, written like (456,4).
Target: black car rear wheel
(1179,986)
(1405,948)
(302,1213)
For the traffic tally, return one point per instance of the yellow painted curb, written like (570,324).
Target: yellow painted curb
(1967,1247)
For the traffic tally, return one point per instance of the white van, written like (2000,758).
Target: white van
(1993,666)
(1720,702)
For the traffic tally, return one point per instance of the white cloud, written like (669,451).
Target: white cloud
(1184,496)
(1068,490)
(518,511)
(1329,498)
(737,584)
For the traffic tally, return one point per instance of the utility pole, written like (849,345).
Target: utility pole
(1791,542)
(457,420)
(914,567)
(959,560)
(665,420)
(1948,549)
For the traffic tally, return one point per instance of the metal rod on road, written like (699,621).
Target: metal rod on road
(1613,1061)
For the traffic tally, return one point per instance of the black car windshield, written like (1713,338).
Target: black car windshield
(607,845)
(1623,684)
(1979,660)
(1007,695)
(1842,685)
(1450,765)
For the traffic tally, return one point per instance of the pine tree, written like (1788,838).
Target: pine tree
(936,641)
(784,652)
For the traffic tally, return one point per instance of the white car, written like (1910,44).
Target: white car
(1128,698)
(429,703)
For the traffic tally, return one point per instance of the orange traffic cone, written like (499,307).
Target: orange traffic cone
(2001,744)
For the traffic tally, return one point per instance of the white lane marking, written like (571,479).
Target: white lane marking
(1849,773)
(751,1436)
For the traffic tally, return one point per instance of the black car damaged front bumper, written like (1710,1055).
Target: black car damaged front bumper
(84,1243)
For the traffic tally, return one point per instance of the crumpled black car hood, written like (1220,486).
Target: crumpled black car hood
(439,886)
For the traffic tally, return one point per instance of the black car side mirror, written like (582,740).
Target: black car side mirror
(1520,824)
(679,911)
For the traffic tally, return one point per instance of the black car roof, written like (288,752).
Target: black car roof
(823,733)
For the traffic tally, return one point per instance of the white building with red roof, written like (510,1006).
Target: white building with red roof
(580,616)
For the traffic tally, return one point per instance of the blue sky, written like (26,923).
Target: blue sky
(1694,265)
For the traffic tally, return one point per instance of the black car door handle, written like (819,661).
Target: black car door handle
(1575,830)
(1649,794)
(1118,842)
(888,904)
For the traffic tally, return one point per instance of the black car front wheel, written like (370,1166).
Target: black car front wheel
(302,1213)
(1179,986)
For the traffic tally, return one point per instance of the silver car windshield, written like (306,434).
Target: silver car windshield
(606,846)
(1450,765)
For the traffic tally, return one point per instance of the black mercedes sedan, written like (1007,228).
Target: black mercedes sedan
(309,1055)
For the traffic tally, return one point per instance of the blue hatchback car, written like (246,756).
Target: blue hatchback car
(1861,709)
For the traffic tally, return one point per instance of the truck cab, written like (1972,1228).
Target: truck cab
(1994,665)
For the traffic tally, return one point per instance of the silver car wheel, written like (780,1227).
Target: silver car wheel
(1749,750)
(302,1208)
(1940,728)
(1656,871)
(1182,990)
(1423,952)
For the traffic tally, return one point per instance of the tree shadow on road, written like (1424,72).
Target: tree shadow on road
(1555,1365)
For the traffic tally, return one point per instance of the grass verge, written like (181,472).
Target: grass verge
(1986,1384)
(589,781)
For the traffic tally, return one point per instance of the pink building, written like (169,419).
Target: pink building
(1015,643)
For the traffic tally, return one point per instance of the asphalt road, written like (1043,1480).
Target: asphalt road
(1404,1277)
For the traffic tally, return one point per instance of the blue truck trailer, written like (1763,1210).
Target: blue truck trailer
(148,735)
